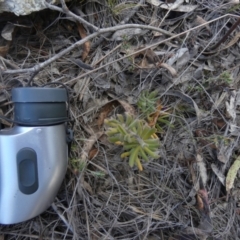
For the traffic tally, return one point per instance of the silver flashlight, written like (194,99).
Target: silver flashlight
(33,154)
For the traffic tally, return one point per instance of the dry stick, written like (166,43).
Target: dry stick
(60,214)
(146,48)
(40,66)
(110,52)
(134,10)
(65,10)
(226,35)
(124,21)
(174,6)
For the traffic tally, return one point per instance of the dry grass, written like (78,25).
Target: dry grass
(103,198)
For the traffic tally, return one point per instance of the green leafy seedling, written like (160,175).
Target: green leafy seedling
(139,141)
(147,102)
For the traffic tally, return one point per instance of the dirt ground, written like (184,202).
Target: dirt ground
(108,53)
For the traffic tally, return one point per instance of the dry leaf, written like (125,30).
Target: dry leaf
(144,64)
(4,50)
(174,6)
(154,116)
(7,31)
(88,144)
(127,107)
(199,21)
(232,173)
(225,151)
(149,58)
(85,185)
(93,152)
(169,68)
(202,169)
(86,45)
(149,54)
(205,223)
(182,57)
(105,110)
(231,106)
(221,157)
(231,111)
(155,22)
(220,123)
(218,173)
(127,34)
(200,204)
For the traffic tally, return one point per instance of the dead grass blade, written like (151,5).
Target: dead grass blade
(169,68)
(88,146)
(138,211)
(219,174)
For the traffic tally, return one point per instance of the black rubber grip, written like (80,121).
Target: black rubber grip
(27,171)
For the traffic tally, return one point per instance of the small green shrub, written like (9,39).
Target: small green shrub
(139,141)
(147,102)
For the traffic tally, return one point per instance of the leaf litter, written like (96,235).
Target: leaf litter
(180,194)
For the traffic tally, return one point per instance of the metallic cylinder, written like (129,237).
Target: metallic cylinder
(33,162)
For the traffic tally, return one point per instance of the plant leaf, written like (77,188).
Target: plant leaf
(231,175)
(86,45)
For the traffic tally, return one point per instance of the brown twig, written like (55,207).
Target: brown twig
(40,66)
(148,47)
(224,38)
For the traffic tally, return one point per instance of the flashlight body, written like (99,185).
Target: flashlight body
(33,163)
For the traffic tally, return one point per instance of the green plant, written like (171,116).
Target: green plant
(118,9)
(139,141)
(111,3)
(125,43)
(77,165)
(226,77)
(147,102)
(234,8)
(150,107)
